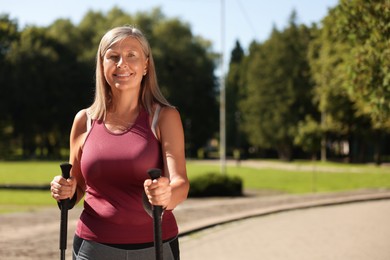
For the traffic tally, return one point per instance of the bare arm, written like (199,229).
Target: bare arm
(171,190)
(61,188)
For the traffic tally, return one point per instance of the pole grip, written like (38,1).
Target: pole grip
(65,169)
(65,172)
(154,173)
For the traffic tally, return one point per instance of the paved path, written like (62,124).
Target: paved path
(358,231)
(34,235)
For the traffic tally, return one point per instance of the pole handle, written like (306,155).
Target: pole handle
(65,169)
(154,173)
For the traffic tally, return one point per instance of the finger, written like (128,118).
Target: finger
(161,200)
(161,186)
(59,194)
(163,181)
(70,182)
(56,179)
(147,183)
(59,180)
(159,194)
(160,182)
(61,191)
(153,185)
(65,182)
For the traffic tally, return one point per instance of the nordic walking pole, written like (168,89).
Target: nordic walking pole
(65,168)
(157,215)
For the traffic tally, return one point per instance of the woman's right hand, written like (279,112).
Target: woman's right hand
(62,188)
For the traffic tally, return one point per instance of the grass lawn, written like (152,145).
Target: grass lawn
(304,177)
(295,177)
(18,200)
(29,172)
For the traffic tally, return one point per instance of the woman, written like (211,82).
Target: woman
(129,129)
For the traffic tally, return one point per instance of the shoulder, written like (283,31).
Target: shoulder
(169,120)
(80,122)
(81,117)
(169,114)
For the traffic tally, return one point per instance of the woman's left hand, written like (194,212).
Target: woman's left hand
(158,191)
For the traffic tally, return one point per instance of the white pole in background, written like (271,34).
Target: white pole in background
(222,109)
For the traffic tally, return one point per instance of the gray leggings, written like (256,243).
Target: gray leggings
(89,250)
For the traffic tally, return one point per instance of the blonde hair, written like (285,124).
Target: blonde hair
(150,92)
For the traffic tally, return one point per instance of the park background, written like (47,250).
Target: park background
(314,94)
(307,110)
(307,91)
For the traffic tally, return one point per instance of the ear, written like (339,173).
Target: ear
(146,66)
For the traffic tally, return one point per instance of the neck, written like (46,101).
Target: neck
(124,103)
(123,113)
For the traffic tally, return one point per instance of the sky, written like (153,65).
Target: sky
(243,20)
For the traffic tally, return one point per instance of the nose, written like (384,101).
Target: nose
(121,62)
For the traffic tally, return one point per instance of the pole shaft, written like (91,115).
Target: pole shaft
(158,245)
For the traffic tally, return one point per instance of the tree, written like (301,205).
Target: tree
(309,135)
(365,27)
(233,84)
(334,65)
(278,91)
(45,93)
(186,76)
(8,35)
(327,55)
(51,76)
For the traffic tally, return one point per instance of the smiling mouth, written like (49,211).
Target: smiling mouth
(122,75)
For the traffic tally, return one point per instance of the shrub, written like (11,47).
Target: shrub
(215,184)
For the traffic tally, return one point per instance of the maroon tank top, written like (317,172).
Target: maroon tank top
(114,167)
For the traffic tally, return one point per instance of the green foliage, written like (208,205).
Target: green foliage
(234,136)
(186,75)
(215,184)
(349,60)
(277,89)
(49,75)
(43,94)
(309,135)
(8,34)
(365,26)
(326,57)
(328,82)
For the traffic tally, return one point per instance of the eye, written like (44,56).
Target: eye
(131,55)
(113,57)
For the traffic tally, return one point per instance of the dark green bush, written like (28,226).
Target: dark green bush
(215,184)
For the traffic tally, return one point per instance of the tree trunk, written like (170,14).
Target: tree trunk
(284,152)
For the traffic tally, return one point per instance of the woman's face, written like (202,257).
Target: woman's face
(125,64)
